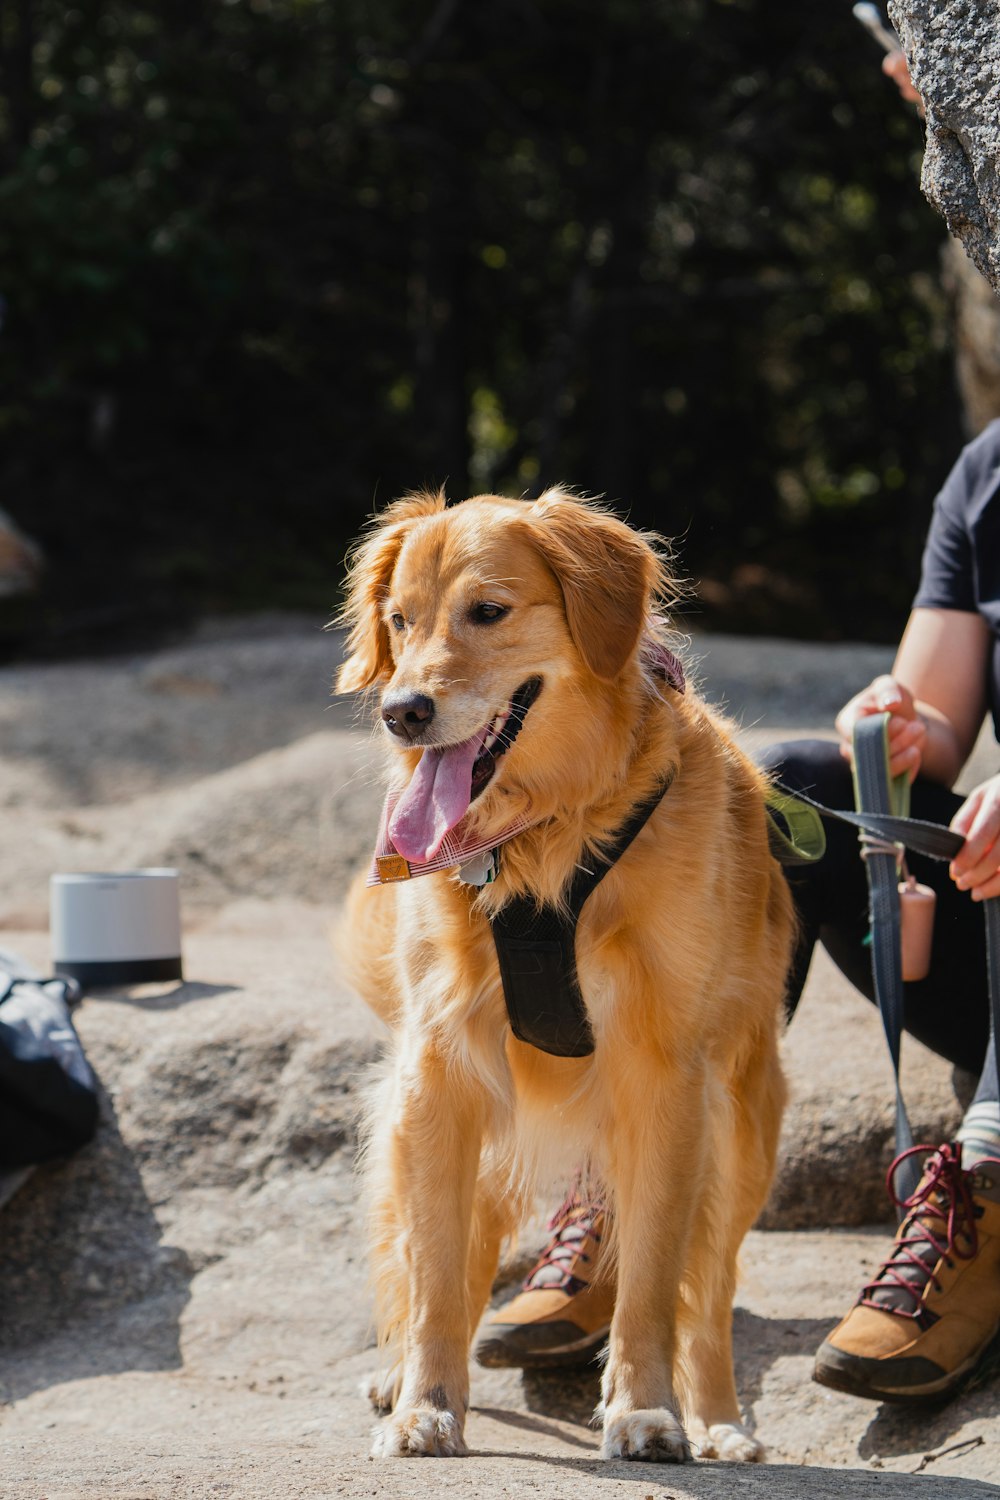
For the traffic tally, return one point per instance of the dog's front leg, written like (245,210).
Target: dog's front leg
(654,1163)
(427,1155)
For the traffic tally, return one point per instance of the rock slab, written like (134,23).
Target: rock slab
(183,1306)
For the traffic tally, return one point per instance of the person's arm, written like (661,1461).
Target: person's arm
(944,655)
(943,659)
(935,695)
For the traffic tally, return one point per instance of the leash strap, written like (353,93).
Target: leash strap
(875,794)
(536,949)
(991,915)
(803,845)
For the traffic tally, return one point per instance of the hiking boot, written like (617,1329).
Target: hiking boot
(563,1312)
(919,1329)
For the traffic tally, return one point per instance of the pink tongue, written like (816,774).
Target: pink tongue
(437,797)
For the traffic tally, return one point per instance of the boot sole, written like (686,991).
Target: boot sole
(495,1354)
(849,1377)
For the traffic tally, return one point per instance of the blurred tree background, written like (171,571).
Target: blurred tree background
(266,263)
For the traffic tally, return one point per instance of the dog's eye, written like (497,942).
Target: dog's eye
(485,614)
(398,622)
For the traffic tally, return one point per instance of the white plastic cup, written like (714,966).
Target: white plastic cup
(118,927)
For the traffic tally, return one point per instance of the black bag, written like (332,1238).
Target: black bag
(48,1093)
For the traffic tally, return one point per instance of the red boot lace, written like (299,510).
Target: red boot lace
(941,1224)
(573,1222)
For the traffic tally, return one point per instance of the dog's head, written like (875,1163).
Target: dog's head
(486,623)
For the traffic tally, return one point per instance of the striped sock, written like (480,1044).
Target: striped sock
(979,1132)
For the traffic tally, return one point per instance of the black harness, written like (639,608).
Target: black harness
(536,946)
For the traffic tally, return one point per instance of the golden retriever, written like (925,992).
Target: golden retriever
(513,646)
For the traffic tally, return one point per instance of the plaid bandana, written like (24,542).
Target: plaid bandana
(388,866)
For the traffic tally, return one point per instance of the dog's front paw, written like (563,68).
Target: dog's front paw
(654,1437)
(729,1441)
(421,1432)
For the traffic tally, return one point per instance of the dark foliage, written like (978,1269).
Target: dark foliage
(267,263)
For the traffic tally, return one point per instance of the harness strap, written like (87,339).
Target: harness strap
(536,949)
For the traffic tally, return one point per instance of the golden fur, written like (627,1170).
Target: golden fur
(681,951)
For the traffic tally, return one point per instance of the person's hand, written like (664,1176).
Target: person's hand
(976,866)
(895,66)
(907,730)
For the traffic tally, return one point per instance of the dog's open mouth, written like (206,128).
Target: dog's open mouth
(501,734)
(447,780)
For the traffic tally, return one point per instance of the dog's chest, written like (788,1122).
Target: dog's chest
(533,972)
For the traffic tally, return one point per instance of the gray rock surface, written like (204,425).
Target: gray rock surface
(183,1306)
(953,49)
(975,323)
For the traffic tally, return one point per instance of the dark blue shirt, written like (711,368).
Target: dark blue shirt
(961,566)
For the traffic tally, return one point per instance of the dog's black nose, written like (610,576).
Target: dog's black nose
(407,714)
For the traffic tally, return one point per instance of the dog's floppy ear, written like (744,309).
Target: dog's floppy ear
(370,569)
(608,574)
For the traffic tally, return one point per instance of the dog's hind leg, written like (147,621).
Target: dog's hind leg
(425,1154)
(493,1218)
(386,1254)
(745,1139)
(652,1168)
(380,1388)
(705,1376)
